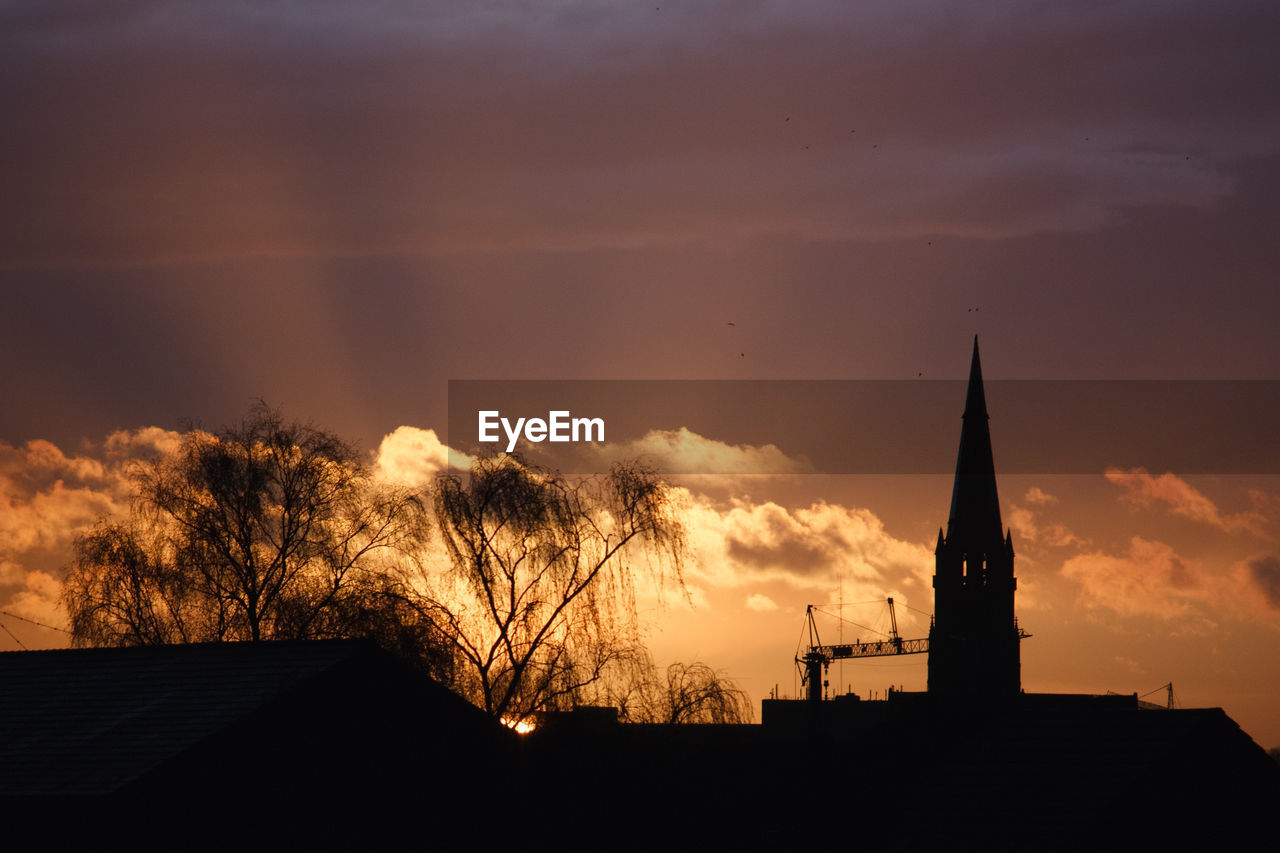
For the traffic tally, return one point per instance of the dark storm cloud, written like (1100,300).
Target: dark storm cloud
(1265,573)
(150,131)
(811,544)
(790,554)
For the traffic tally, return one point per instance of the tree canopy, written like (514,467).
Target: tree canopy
(684,693)
(263,530)
(271,530)
(539,600)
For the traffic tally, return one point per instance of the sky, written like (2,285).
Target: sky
(340,208)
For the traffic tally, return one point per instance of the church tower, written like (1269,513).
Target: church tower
(973,641)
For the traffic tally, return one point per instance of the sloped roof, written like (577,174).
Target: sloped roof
(1045,773)
(95,721)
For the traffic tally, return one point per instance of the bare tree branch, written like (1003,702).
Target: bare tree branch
(263,530)
(550,567)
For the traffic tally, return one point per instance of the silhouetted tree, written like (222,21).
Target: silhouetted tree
(265,530)
(685,693)
(539,599)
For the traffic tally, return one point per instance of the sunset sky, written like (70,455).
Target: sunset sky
(340,207)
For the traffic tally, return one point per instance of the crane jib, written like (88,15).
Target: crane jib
(894,646)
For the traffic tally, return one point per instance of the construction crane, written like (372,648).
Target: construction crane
(819,657)
(1166,689)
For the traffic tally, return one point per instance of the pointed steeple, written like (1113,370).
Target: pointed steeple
(975,403)
(973,641)
(974,523)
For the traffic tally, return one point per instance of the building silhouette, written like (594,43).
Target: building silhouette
(974,637)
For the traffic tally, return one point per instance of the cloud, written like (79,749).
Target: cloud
(1025,524)
(38,599)
(39,455)
(815,547)
(144,443)
(164,132)
(1036,495)
(411,456)
(48,497)
(1150,578)
(683,451)
(1141,489)
(1264,573)
(1022,521)
(761,603)
(1129,664)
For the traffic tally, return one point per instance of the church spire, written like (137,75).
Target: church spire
(975,403)
(973,642)
(974,523)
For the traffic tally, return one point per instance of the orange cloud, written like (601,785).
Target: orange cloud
(1024,523)
(142,443)
(48,497)
(1141,489)
(688,452)
(38,599)
(1036,495)
(1149,578)
(412,456)
(817,546)
(761,603)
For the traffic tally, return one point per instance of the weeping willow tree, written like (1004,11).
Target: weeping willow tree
(684,693)
(539,598)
